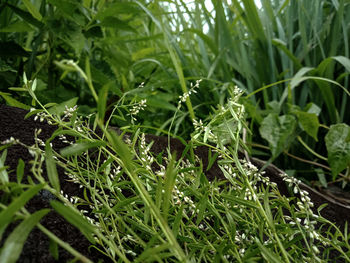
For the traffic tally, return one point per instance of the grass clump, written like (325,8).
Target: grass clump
(141,206)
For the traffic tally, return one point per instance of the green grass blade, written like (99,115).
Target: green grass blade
(7,214)
(81,147)
(14,243)
(75,219)
(51,169)
(4,178)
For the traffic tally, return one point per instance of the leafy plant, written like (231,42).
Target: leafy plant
(141,207)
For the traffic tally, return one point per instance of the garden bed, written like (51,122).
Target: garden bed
(36,248)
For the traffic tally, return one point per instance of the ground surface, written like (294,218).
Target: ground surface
(12,123)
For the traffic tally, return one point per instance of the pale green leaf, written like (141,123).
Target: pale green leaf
(338,147)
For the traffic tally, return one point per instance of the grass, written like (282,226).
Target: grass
(136,212)
(290,59)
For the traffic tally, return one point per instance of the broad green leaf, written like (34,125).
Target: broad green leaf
(13,245)
(18,203)
(278,131)
(81,147)
(309,123)
(51,169)
(338,147)
(75,219)
(312,108)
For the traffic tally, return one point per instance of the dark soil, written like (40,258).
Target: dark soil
(36,249)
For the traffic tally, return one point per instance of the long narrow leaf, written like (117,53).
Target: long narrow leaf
(14,243)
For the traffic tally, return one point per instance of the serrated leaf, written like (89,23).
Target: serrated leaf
(278,131)
(309,123)
(14,243)
(338,147)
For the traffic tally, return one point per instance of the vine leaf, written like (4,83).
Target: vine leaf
(338,147)
(279,131)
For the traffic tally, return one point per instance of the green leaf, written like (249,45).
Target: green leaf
(338,147)
(321,177)
(14,243)
(309,123)
(268,254)
(169,182)
(312,108)
(53,248)
(32,10)
(26,16)
(20,26)
(60,108)
(20,170)
(18,203)
(79,148)
(278,131)
(283,46)
(4,178)
(75,219)
(13,102)
(51,169)
(102,100)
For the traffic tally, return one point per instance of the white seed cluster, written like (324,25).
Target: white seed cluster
(186,95)
(11,140)
(136,108)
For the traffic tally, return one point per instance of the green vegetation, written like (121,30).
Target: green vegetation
(289,60)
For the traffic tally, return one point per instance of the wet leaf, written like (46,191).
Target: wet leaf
(338,147)
(278,131)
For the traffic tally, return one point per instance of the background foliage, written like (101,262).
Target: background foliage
(289,57)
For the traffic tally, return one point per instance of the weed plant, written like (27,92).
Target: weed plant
(141,207)
(289,57)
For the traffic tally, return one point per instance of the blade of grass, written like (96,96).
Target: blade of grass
(13,245)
